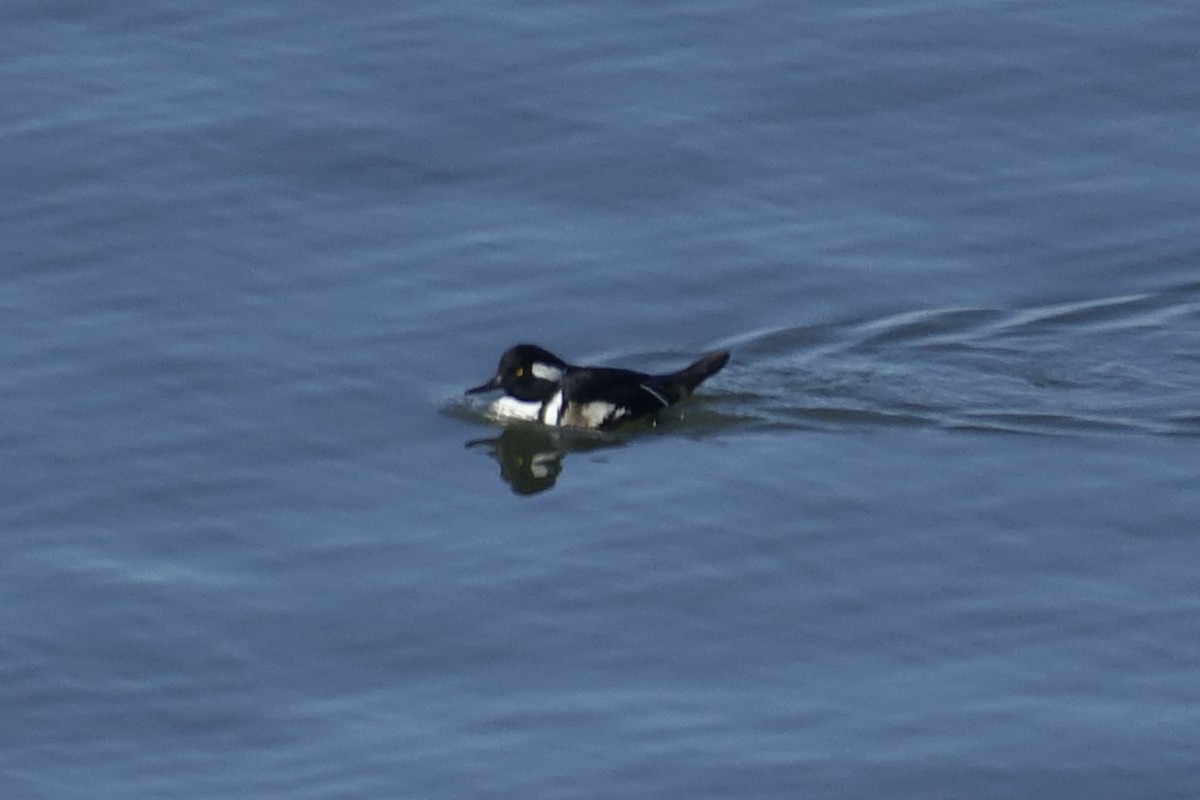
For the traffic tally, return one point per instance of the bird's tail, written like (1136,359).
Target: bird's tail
(684,382)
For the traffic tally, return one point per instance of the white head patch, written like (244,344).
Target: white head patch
(546,372)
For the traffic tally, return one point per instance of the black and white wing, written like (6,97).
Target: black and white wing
(604,398)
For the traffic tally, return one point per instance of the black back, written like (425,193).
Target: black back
(638,393)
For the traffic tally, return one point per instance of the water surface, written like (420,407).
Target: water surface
(930,534)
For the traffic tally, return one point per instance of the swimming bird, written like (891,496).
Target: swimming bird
(541,387)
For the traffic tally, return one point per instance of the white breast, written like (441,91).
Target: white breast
(552,412)
(511,408)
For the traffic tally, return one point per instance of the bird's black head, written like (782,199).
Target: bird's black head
(526,372)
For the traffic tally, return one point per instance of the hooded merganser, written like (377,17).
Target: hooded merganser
(541,387)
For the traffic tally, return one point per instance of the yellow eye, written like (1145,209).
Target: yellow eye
(520,371)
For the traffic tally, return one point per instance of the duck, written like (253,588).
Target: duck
(539,386)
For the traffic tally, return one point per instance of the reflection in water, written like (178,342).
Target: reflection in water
(530,456)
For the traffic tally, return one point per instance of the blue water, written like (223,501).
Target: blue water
(932,533)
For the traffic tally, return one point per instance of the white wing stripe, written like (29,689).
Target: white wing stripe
(657,395)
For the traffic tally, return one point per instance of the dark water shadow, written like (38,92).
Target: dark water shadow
(530,456)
